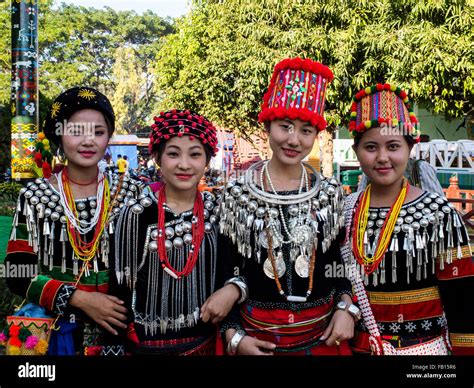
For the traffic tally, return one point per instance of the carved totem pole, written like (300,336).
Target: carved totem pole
(24,100)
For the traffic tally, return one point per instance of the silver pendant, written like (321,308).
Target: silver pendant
(302,266)
(264,241)
(302,235)
(268,268)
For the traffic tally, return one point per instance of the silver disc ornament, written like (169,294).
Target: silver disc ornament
(268,268)
(302,266)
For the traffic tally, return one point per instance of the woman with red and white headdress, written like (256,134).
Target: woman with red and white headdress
(407,249)
(169,266)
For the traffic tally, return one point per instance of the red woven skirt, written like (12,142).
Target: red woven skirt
(294,332)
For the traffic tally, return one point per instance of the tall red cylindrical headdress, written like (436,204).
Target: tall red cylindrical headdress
(297,90)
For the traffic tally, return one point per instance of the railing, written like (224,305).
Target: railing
(442,154)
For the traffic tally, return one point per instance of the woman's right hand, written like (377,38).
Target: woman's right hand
(105,310)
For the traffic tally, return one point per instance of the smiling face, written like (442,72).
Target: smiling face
(85,139)
(291,140)
(183,162)
(383,157)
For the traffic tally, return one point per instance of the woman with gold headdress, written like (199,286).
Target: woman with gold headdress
(407,250)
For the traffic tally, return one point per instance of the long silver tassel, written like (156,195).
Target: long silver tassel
(75,264)
(394,249)
(382,271)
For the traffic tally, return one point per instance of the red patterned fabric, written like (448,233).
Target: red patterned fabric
(19,246)
(457,269)
(294,332)
(462,351)
(205,348)
(183,123)
(93,350)
(410,312)
(103,288)
(49,292)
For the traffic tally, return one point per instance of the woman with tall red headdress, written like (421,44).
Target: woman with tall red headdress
(284,219)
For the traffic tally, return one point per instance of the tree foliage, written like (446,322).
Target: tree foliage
(86,46)
(220,59)
(133,98)
(83,46)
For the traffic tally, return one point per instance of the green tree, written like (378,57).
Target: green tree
(220,59)
(131,99)
(5,76)
(79,45)
(5,52)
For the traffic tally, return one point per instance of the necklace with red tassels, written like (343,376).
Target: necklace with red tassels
(197,232)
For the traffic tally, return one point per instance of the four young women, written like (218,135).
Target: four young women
(275,264)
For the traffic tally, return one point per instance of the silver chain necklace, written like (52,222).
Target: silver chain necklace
(300,219)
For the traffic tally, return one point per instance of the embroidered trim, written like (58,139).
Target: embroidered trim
(462,340)
(113,350)
(466,252)
(62,299)
(404,297)
(424,326)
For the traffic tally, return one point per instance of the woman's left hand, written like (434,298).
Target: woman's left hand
(219,304)
(340,328)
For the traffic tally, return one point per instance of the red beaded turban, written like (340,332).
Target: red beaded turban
(180,123)
(297,91)
(383,104)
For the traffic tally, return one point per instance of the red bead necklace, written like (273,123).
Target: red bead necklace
(93,180)
(197,232)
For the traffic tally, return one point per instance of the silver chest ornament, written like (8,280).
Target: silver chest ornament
(280,267)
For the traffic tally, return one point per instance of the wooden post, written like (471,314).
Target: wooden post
(454,191)
(326,145)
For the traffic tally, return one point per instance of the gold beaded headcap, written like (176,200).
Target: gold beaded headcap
(383,104)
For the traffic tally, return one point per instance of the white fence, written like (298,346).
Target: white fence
(442,154)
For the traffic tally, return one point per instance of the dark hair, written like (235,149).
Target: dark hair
(358,137)
(110,127)
(159,149)
(125,157)
(119,155)
(74,100)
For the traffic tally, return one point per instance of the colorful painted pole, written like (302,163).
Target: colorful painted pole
(24,100)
